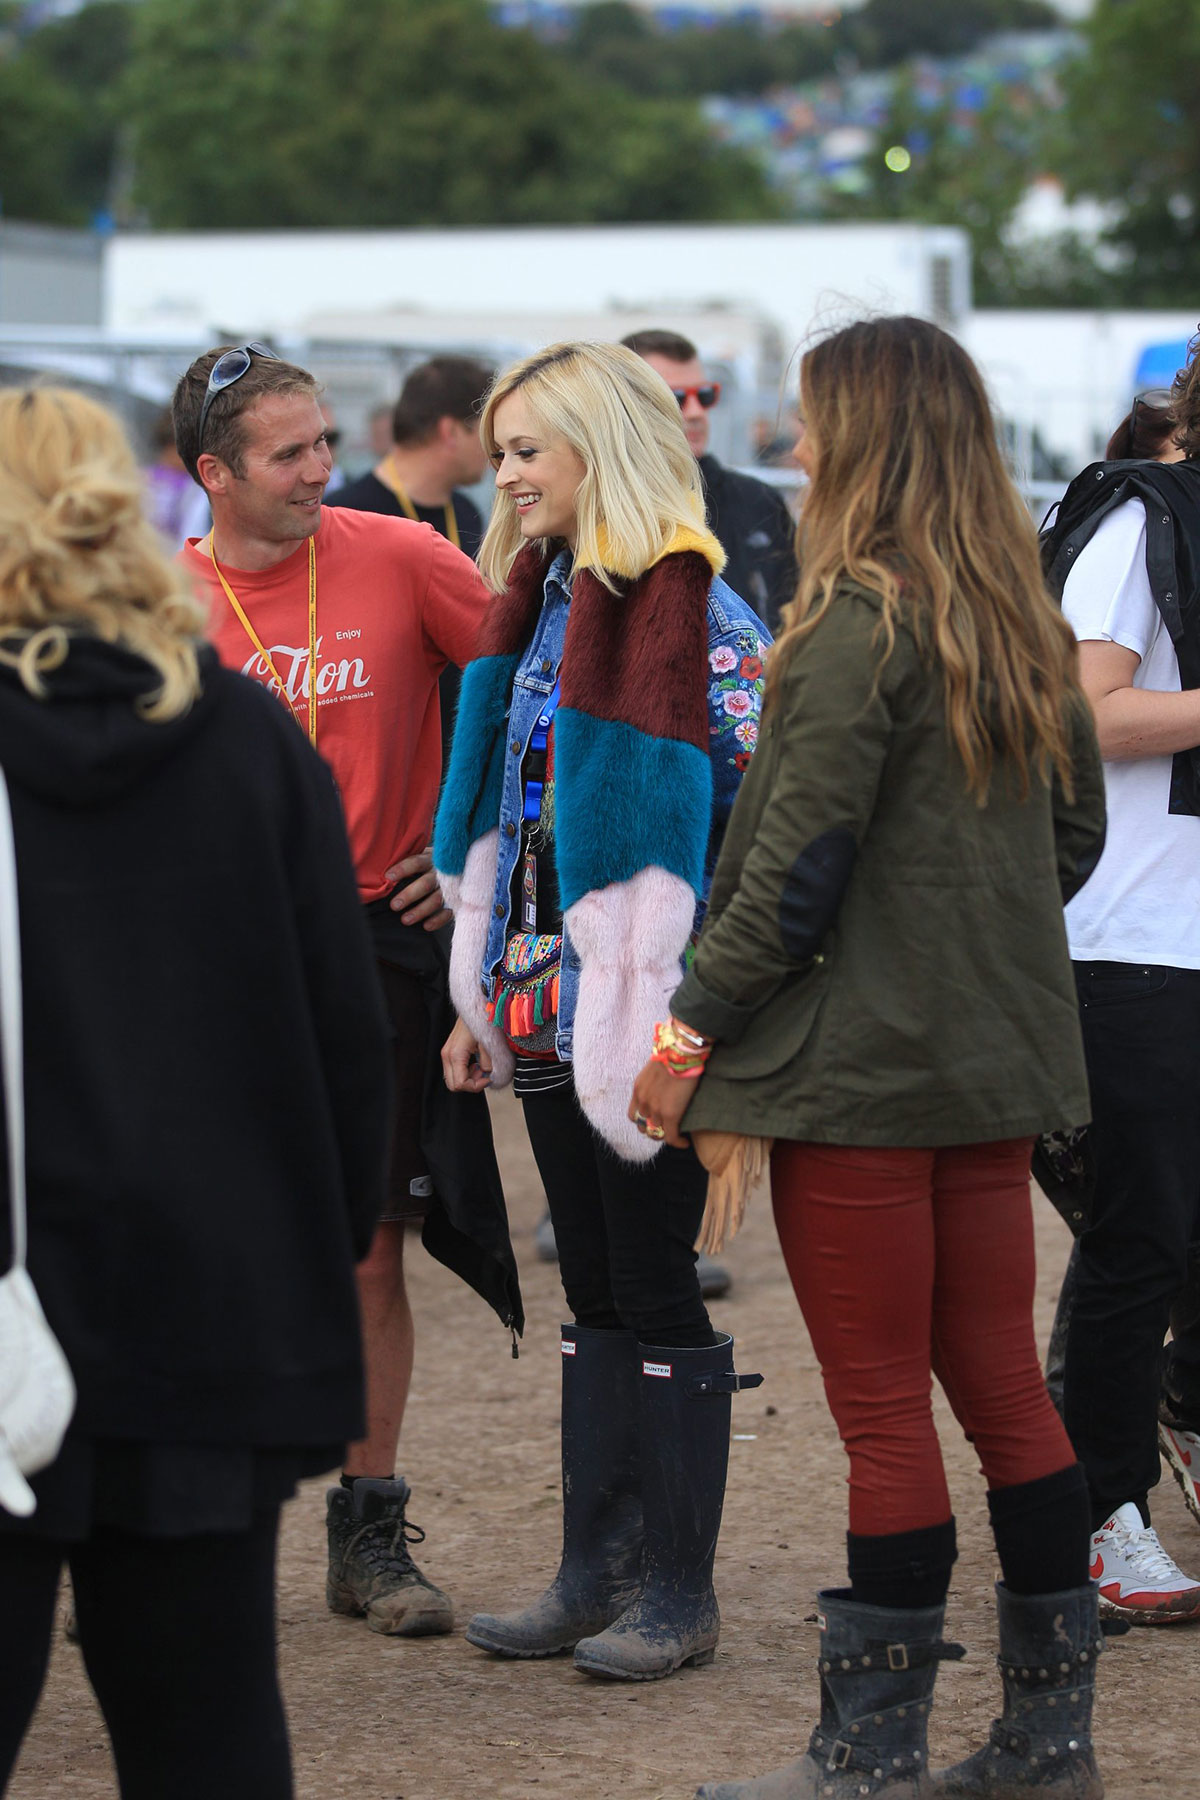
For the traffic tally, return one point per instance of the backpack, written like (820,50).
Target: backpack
(1170,493)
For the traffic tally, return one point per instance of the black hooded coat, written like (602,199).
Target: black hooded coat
(206,1066)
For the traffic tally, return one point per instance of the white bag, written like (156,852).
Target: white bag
(37,1394)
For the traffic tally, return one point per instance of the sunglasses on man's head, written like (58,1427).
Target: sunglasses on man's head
(229,367)
(1158,398)
(708,393)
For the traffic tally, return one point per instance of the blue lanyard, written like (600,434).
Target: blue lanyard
(539,737)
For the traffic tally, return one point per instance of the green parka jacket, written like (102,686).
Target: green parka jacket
(884,961)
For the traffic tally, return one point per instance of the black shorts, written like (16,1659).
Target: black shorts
(409,1187)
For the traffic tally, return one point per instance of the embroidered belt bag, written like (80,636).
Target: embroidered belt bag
(525,1008)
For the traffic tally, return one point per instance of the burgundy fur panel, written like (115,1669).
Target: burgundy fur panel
(509,621)
(640,657)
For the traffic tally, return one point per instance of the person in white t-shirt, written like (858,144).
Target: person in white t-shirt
(1134,933)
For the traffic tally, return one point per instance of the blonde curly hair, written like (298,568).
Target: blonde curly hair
(77,553)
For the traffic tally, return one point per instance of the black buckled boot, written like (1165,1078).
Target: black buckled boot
(1043,1743)
(602,1509)
(685,1410)
(878,1665)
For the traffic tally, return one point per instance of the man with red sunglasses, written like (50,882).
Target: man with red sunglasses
(751,520)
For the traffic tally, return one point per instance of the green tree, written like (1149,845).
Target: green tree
(84,56)
(616,42)
(37,122)
(936,164)
(949,172)
(886,32)
(362,112)
(1133,105)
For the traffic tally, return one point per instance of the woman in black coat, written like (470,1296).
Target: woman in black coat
(206,1097)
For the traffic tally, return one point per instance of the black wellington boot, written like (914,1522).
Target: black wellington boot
(602,1508)
(878,1665)
(1043,1744)
(685,1410)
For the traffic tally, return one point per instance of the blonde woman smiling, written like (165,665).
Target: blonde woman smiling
(601,736)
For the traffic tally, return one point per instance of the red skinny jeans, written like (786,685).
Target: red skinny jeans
(906,1262)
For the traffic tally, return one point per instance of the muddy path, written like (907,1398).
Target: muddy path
(433,1719)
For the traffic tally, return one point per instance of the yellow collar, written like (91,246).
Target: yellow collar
(686,537)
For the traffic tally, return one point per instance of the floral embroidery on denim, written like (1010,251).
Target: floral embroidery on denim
(735,695)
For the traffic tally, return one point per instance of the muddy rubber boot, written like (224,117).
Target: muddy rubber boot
(1043,1743)
(602,1510)
(878,1665)
(685,1408)
(371,1569)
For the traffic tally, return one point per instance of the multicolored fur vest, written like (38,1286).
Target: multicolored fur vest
(633,801)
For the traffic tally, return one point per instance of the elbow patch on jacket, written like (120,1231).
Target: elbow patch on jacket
(813,889)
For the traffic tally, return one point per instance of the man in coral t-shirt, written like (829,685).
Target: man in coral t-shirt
(350,619)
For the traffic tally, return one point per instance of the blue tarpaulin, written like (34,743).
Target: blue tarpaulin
(1158,363)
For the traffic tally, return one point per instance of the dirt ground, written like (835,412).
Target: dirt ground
(433,1719)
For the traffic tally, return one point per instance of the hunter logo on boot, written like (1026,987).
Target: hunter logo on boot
(649,1368)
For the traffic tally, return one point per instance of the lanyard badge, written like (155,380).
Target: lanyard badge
(531,810)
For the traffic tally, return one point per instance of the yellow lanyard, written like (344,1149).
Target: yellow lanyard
(266,654)
(390,479)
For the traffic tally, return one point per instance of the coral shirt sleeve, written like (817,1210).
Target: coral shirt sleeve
(455,601)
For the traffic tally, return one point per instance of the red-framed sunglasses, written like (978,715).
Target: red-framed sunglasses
(708,393)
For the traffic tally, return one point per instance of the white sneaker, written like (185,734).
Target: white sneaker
(1138,1581)
(1181,1450)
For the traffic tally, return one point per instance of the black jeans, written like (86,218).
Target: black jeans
(624,1231)
(1141,1031)
(178,1638)
(1181,1358)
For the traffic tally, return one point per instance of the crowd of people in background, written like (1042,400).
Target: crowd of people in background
(863,849)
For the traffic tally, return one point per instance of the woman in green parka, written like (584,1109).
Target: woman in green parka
(882,987)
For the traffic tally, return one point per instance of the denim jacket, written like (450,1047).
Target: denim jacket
(737,646)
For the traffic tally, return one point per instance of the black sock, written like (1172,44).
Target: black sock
(348,1481)
(1042,1530)
(902,1568)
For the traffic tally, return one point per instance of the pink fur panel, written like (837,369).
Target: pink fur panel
(630,937)
(469,897)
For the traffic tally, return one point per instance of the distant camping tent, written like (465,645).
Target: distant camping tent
(1159,363)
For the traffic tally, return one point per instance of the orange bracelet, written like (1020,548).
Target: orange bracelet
(678,1058)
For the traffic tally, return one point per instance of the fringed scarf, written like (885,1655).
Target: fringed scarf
(633,806)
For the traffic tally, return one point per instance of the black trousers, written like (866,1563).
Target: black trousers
(624,1231)
(1141,1030)
(178,1638)
(1181,1358)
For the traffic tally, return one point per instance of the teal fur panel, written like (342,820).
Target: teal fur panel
(626,801)
(470,802)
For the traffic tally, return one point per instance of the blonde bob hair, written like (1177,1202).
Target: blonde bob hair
(910,497)
(77,554)
(641,483)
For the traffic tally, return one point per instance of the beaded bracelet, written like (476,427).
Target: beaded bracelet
(680,1052)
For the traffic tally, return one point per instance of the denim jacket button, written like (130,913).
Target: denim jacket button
(547,665)
(510,829)
(498,910)
(515,746)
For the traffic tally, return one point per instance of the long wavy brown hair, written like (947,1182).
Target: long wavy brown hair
(910,497)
